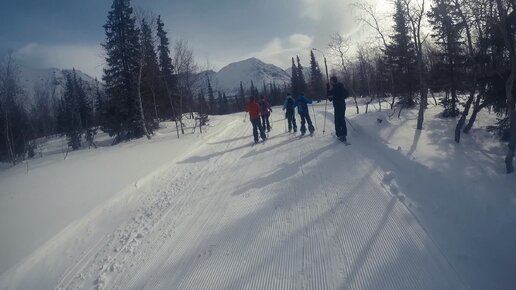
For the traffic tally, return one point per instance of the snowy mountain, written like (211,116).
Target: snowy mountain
(30,78)
(229,77)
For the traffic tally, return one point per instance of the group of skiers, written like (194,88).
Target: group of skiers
(260,110)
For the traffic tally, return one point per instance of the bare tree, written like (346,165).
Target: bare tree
(185,67)
(11,113)
(370,17)
(340,46)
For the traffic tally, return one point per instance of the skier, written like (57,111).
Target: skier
(254,115)
(266,113)
(302,108)
(338,94)
(290,115)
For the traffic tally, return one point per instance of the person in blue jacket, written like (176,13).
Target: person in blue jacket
(302,108)
(290,114)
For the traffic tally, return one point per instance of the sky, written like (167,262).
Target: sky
(68,33)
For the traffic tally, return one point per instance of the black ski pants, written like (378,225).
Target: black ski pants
(265,122)
(257,126)
(340,121)
(291,119)
(305,118)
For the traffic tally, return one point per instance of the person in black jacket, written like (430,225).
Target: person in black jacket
(338,94)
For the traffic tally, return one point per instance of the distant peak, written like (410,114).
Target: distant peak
(252,59)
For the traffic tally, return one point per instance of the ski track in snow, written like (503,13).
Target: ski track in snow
(272,216)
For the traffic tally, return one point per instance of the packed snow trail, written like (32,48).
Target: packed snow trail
(293,213)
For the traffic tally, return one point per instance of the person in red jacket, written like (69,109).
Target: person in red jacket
(254,115)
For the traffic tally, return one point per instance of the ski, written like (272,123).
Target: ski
(345,142)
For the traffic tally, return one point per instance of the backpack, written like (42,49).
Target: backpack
(290,104)
(264,107)
(345,92)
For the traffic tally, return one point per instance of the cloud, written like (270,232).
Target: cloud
(328,15)
(86,58)
(280,51)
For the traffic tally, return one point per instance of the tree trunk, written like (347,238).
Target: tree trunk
(140,105)
(172,106)
(154,100)
(512,117)
(433,97)
(471,121)
(509,84)
(8,140)
(463,116)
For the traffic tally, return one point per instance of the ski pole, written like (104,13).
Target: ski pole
(352,127)
(326,102)
(285,123)
(245,117)
(315,118)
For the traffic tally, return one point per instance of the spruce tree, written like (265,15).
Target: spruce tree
(294,80)
(241,95)
(253,90)
(122,117)
(75,114)
(211,99)
(448,71)
(317,89)
(225,104)
(220,106)
(400,57)
(201,103)
(301,78)
(165,65)
(152,100)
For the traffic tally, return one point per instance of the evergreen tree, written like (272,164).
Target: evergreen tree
(253,90)
(294,79)
(301,78)
(298,83)
(448,71)
(201,103)
(75,111)
(241,95)
(225,104)
(211,99)
(165,65)
(220,107)
(152,100)
(121,73)
(98,105)
(400,57)
(317,88)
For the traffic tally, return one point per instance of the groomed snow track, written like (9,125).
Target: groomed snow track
(292,213)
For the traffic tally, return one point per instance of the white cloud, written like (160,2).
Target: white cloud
(328,15)
(280,51)
(86,58)
(300,40)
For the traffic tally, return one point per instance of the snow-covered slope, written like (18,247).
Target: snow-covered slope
(229,77)
(398,209)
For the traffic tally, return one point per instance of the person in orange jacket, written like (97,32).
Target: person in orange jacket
(254,115)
